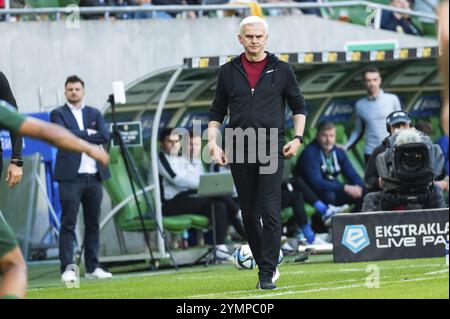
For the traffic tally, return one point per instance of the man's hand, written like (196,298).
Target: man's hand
(217,154)
(14,175)
(354,191)
(99,154)
(291,148)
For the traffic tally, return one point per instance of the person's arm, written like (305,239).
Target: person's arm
(443,63)
(99,137)
(371,177)
(101,132)
(14,173)
(62,138)
(296,103)
(349,171)
(217,113)
(14,274)
(357,132)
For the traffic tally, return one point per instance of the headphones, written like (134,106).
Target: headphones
(404,116)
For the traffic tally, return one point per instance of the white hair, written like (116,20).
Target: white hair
(253,20)
(407,136)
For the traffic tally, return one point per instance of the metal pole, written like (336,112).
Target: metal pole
(378,13)
(154,154)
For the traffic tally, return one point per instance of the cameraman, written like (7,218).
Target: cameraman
(395,121)
(398,189)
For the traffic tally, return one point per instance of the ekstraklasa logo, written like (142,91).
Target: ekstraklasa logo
(355,238)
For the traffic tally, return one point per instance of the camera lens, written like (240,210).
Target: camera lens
(412,161)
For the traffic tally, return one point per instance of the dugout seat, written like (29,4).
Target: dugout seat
(127,219)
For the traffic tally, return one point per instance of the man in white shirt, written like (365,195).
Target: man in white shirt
(80,178)
(371,112)
(180,179)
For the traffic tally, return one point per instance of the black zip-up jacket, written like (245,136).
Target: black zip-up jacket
(7,96)
(265,106)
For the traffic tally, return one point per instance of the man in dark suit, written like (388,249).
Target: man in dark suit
(14,172)
(80,178)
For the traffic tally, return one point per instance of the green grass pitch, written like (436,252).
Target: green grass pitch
(318,278)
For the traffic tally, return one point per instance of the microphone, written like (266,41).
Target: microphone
(119,92)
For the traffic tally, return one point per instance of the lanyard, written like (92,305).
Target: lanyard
(330,164)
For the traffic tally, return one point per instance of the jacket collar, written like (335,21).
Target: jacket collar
(271,58)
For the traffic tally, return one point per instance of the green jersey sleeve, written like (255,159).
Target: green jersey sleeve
(7,239)
(10,119)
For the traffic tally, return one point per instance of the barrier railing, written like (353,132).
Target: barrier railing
(108,11)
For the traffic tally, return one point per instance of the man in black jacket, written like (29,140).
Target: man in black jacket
(14,173)
(254,89)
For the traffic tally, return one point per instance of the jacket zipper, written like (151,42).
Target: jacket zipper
(252,91)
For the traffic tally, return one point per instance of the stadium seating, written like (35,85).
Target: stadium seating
(119,188)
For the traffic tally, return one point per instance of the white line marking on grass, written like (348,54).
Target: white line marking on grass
(334,288)
(226,294)
(358,269)
(443,271)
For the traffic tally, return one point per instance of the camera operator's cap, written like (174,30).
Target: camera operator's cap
(397,117)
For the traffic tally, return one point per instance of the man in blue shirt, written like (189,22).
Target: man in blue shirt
(321,163)
(443,143)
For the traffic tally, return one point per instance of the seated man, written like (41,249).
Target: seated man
(321,163)
(180,179)
(294,194)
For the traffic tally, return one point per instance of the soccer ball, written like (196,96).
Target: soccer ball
(243,258)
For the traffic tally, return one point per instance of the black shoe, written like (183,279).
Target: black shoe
(264,284)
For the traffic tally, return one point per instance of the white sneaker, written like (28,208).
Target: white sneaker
(276,275)
(319,241)
(68,276)
(98,274)
(222,253)
(334,210)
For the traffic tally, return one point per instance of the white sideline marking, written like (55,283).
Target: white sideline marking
(337,288)
(363,269)
(281,288)
(443,271)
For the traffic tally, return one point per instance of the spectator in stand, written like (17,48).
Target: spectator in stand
(123,3)
(399,22)
(315,11)
(93,3)
(371,112)
(322,162)
(190,14)
(150,15)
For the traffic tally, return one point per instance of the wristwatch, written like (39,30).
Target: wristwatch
(299,137)
(18,163)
